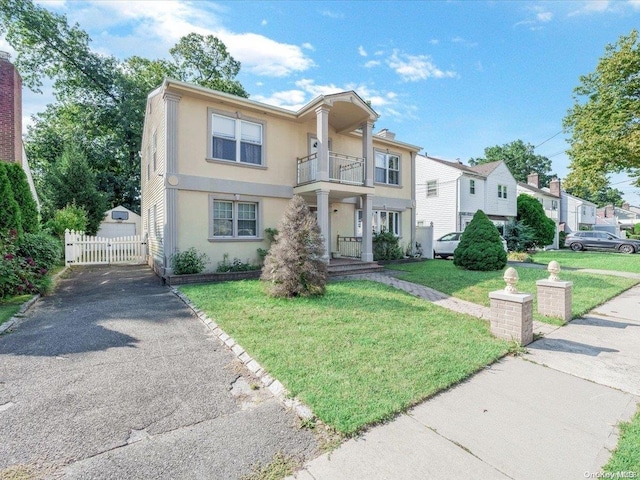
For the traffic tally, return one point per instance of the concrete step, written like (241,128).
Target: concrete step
(354,268)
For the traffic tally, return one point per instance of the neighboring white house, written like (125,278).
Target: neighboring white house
(448,194)
(576,213)
(120,222)
(550,201)
(617,218)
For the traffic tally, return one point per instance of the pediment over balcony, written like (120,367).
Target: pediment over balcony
(347,111)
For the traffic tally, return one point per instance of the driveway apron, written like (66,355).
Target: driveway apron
(112,377)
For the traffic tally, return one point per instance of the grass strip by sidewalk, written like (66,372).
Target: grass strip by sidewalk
(626,457)
(356,356)
(589,290)
(11,306)
(596,260)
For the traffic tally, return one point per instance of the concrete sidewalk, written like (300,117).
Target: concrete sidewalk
(552,413)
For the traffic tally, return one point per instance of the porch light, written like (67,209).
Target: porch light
(554,270)
(511,279)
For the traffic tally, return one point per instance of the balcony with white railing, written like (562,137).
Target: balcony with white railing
(345,169)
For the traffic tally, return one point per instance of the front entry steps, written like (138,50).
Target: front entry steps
(351,266)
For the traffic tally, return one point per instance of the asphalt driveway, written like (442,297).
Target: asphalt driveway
(112,377)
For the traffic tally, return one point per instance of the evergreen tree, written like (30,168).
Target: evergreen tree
(480,247)
(531,213)
(294,266)
(72,181)
(10,217)
(22,195)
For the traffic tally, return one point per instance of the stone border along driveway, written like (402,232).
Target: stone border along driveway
(281,393)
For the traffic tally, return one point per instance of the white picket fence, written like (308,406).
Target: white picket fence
(81,249)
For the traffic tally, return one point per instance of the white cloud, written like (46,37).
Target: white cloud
(635,4)
(362,51)
(290,99)
(332,14)
(308,46)
(416,67)
(539,16)
(372,63)
(544,16)
(263,22)
(434,41)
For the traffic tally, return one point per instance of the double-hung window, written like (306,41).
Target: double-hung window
(472,187)
(386,220)
(236,140)
(502,191)
(432,188)
(554,205)
(235,219)
(387,168)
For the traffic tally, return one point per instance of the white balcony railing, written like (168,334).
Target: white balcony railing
(343,168)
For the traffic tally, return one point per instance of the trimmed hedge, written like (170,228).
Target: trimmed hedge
(480,247)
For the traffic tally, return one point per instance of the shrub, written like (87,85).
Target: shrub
(294,265)
(236,265)
(561,238)
(480,247)
(45,250)
(23,197)
(19,275)
(636,229)
(70,217)
(519,257)
(386,246)
(531,213)
(188,262)
(519,236)
(270,234)
(10,216)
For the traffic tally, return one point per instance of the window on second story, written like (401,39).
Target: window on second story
(502,191)
(387,168)
(432,188)
(236,140)
(472,187)
(584,210)
(554,205)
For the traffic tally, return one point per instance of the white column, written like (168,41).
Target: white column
(367,228)
(170,232)
(322,199)
(367,152)
(322,132)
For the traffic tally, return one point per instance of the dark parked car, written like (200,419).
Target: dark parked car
(590,240)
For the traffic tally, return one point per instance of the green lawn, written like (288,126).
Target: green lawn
(589,290)
(589,259)
(626,457)
(356,356)
(10,306)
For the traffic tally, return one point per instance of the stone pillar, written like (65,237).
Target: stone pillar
(367,152)
(322,132)
(512,312)
(367,228)
(554,295)
(322,199)
(170,229)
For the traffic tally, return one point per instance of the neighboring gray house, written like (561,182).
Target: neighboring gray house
(575,212)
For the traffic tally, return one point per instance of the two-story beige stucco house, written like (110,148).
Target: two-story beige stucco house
(218,169)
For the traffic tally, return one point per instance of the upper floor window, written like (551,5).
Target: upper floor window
(432,188)
(584,210)
(502,191)
(387,168)
(472,187)
(236,140)
(554,205)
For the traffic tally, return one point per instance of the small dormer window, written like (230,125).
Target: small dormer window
(119,215)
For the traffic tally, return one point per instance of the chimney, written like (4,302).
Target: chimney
(554,187)
(625,205)
(533,179)
(386,133)
(609,211)
(10,111)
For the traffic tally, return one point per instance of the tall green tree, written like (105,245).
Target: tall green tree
(100,99)
(604,122)
(23,196)
(71,181)
(531,213)
(521,160)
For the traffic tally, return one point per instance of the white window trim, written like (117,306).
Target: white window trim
(472,186)
(236,200)
(386,168)
(238,118)
(435,185)
(376,222)
(502,191)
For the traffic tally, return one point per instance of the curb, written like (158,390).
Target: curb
(274,386)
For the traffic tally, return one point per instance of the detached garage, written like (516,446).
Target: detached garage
(120,222)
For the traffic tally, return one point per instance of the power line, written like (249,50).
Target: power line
(550,138)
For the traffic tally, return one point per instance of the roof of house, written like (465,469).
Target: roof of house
(537,190)
(459,166)
(486,168)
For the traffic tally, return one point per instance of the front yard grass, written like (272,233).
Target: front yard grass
(10,306)
(589,259)
(626,457)
(358,355)
(589,290)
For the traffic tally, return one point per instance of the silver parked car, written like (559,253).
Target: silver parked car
(591,240)
(445,245)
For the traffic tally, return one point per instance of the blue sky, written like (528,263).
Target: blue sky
(453,77)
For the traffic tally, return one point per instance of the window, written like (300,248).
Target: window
(381,219)
(584,210)
(472,187)
(502,191)
(119,215)
(387,168)
(554,205)
(432,188)
(236,140)
(154,149)
(235,219)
